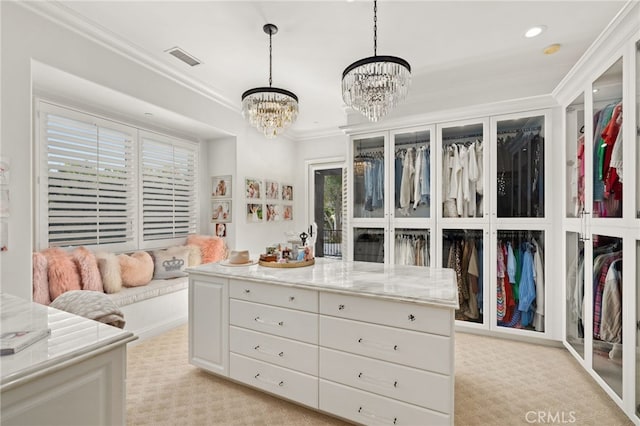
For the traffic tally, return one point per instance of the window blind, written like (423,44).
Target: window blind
(169,188)
(90,178)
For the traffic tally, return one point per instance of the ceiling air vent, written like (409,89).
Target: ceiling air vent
(183,56)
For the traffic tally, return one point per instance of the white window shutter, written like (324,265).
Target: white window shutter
(169,188)
(90,178)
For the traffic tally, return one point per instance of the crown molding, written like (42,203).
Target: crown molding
(60,14)
(463,113)
(609,42)
(327,132)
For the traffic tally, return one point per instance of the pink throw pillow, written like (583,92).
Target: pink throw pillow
(213,249)
(137,269)
(62,272)
(88,268)
(40,279)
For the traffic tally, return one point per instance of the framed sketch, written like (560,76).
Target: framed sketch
(274,212)
(287,212)
(254,213)
(272,189)
(221,186)
(253,188)
(221,230)
(287,192)
(221,211)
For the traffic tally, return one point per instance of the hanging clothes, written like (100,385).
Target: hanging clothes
(611,318)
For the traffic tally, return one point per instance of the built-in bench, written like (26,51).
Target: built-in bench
(154,308)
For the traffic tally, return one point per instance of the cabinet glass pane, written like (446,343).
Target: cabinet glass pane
(607,143)
(462,171)
(607,310)
(575,291)
(462,251)
(411,247)
(368,244)
(575,157)
(520,167)
(412,174)
(520,280)
(368,177)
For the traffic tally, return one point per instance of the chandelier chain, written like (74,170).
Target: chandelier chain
(375,28)
(270,33)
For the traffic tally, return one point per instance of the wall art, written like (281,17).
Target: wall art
(221,186)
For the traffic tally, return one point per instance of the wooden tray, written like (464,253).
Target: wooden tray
(287,265)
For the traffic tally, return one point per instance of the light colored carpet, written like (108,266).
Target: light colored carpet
(498,382)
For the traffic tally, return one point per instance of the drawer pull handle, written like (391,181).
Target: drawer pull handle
(377,344)
(261,321)
(377,381)
(292,298)
(257,348)
(271,382)
(340,307)
(371,415)
(411,317)
(246,290)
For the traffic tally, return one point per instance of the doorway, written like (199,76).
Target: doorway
(327,210)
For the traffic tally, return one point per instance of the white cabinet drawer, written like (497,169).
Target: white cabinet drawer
(280,381)
(420,350)
(411,316)
(282,322)
(277,295)
(276,350)
(429,390)
(367,408)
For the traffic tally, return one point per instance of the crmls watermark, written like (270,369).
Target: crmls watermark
(550,417)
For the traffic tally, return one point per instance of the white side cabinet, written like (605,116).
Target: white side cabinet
(209,323)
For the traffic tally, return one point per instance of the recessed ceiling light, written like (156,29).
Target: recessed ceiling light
(535,31)
(595,90)
(148,114)
(551,49)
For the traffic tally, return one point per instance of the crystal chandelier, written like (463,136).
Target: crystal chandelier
(270,109)
(376,84)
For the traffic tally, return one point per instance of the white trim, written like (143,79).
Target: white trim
(532,103)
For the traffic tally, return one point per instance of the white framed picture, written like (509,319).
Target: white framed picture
(254,213)
(221,211)
(221,186)
(287,192)
(287,212)
(274,212)
(272,189)
(253,189)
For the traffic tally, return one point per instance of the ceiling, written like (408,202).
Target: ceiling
(454,47)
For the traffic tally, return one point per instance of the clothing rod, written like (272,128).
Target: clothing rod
(422,141)
(520,129)
(469,136)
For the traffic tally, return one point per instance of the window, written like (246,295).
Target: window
(168,188)
(92,172)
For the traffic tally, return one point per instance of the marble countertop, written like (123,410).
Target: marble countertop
(433,286)
(72,339)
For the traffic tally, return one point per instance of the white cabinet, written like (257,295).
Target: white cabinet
(364,358)
(209,323)
(375,353)
(601,229)
(391,214)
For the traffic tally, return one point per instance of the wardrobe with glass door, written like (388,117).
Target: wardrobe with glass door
(391,218)
(601,227)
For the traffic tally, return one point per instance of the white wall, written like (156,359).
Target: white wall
(27,37)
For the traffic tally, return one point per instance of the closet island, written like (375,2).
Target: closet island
(363,341)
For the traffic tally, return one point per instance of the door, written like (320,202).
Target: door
(326,208)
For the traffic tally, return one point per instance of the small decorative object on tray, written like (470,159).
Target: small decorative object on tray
(287,256)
